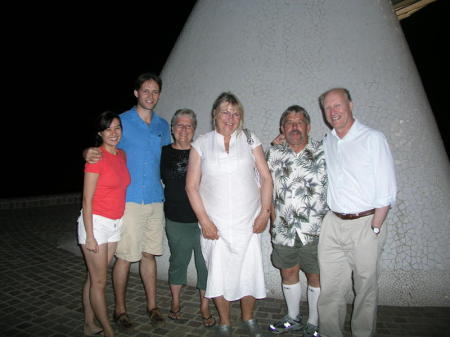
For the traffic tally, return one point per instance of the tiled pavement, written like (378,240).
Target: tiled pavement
(41,289)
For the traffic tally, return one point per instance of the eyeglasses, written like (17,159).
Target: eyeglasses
(183,126)
(231,114)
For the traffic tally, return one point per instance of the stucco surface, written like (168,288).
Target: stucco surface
(273,54)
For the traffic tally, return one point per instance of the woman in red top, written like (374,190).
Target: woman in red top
(100,222)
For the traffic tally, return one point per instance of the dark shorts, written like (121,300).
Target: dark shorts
(305,256)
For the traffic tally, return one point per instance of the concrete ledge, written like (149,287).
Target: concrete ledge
(429,288)
(40,201)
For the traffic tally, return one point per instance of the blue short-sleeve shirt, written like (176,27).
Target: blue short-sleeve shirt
(142,143)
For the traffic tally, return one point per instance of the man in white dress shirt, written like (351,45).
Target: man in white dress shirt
(361,189)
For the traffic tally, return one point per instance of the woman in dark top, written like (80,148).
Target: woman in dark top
(183,233)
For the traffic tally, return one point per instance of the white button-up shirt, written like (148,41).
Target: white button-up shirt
(360,170)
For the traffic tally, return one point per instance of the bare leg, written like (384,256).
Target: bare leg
(120,279)
(175,306)
(290,275)
(223,308)
(247,307)
(147,269)
(89,316)
(98,267)
(313,280)
(204,304)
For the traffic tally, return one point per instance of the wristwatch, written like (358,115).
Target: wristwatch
(376,230)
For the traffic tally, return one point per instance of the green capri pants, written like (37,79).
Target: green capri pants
(183,238)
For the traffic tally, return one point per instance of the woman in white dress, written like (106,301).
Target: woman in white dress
(232,203)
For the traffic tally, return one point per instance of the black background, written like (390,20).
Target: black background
(62,66)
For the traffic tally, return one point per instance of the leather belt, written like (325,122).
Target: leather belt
(350,216)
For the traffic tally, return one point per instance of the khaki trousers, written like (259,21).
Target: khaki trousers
(348,251)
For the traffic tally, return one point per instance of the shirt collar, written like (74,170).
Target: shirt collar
(233,135)
(352,133)
(136,115)
(308,146)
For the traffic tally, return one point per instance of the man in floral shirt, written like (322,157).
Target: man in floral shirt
(297,165)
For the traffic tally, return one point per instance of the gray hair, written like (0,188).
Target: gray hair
(341,90)
(294,109)
(184,112)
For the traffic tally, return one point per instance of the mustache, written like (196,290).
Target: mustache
(295,132)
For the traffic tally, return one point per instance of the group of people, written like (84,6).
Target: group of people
(326,202)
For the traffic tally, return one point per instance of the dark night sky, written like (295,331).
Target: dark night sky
(427,33)
(63,70)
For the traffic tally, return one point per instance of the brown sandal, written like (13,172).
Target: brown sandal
(122,320)
(155,316)
(209,321)
(175,315)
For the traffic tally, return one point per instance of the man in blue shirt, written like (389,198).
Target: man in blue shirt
(144,134)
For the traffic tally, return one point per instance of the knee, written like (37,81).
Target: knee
(290,276)
(365,283)
(148,256)
(98,282)
(313,280)
(177,256)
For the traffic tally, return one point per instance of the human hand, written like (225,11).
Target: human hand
(280,139)
(261,222)
(209,230)
(93,155)
(92,245)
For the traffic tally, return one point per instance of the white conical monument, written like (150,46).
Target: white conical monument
(275,53)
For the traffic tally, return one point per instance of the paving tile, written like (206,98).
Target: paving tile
(41,289)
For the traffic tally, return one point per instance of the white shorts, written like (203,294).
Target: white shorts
(105,229)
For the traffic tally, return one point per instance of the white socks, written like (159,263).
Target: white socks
(313,298)
(292,294)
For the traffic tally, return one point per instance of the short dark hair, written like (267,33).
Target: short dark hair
(104,121)
(294,109)
(147,77)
